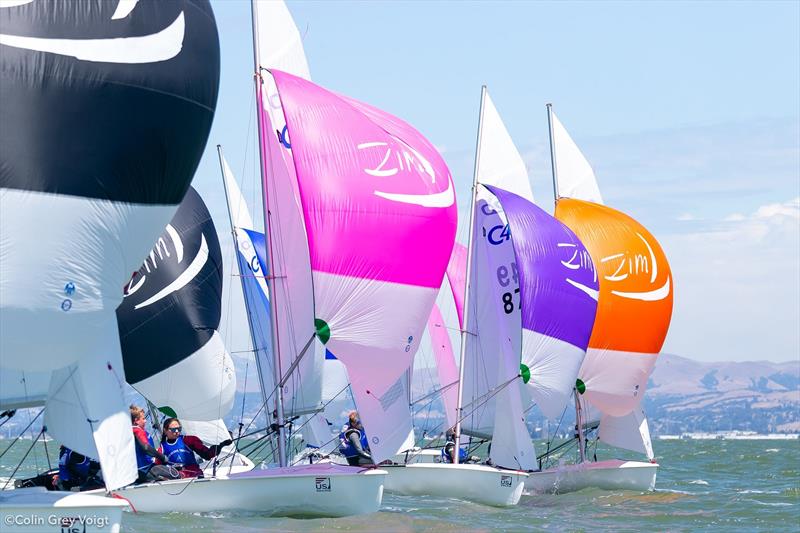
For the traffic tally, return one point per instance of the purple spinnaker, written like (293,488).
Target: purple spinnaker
(558,284)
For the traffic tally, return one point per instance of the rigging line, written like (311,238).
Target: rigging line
(25,392)
(21,433)
(244,351)
(549,439)
(46,453)
(486,397)
(491,393)
(8,418)
(244,397)
(255,432)
(263,404)
(33,443)
(435,392)
(297,360)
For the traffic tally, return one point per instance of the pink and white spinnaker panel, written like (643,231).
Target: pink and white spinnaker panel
(380,214)
(105,112)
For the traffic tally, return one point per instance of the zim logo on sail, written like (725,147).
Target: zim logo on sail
(323,484)
(505,481)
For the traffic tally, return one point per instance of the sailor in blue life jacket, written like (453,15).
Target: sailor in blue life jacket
(450,446)
(353,443)
(76,470)
(180,449)
(146,452)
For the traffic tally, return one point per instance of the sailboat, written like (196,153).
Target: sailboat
(82,200)
(633,316)
(172,312)
(488,401)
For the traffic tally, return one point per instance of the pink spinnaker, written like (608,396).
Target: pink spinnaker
(379,211)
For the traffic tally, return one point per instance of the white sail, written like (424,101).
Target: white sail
(512,446)
(92,391)
(302,392)
(209,431)
(500,162)
(630,432)
(279,44)
(209,369)
(576,178)
(493,347)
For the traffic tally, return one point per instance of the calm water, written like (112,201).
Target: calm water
(724,485)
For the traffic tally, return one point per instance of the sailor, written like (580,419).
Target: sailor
(76,471)
(449,447)
(180,449)
(146,453)
(353,443)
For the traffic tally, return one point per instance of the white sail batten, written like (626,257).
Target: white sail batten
(576,177)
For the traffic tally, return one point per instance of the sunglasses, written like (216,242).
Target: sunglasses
(175,430)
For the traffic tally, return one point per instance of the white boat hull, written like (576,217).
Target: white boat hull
(318,490)
(475,483)
(607,475)
(37,509)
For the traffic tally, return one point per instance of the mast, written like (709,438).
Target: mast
(552,153)
(264,394)
(462,357)
(279,415)
(556,197)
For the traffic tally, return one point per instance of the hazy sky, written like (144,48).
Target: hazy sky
(688,111)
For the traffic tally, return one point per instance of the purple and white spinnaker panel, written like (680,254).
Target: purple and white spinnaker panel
(379,212)
(558,299)
(106,108)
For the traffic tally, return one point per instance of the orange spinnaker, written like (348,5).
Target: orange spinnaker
(636,286)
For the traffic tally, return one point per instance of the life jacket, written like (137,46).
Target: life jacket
(447,454)
(65,470)
(346,447)
(178,452)
(143,461)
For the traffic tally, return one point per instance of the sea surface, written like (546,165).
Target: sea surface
(723,485)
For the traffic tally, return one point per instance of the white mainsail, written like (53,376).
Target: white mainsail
(491,345)
(576,177)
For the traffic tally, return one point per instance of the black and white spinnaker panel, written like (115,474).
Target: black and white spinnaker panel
(105,109)
(169,318)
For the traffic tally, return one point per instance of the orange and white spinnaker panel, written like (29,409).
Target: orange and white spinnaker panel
(634,308)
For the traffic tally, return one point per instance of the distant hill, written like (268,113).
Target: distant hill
(683,395)
(687,395)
